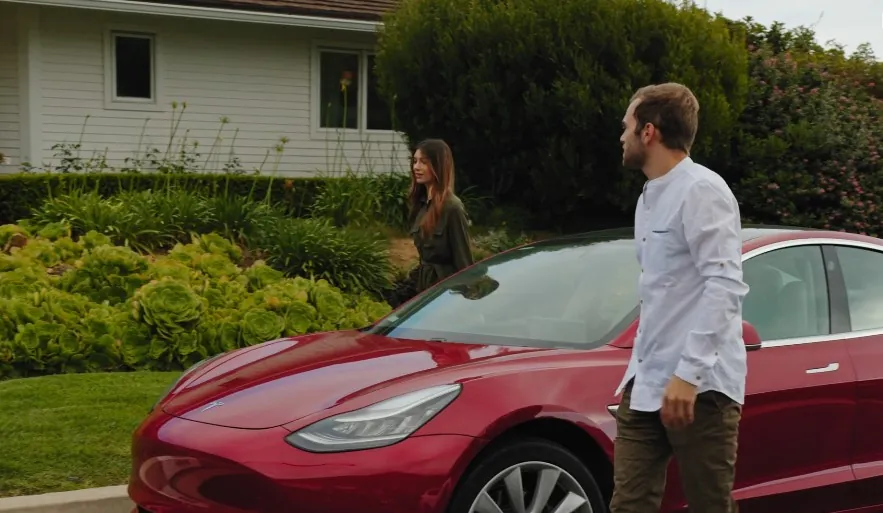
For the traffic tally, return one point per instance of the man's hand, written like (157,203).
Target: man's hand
(677,404)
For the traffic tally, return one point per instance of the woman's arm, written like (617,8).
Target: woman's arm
(458,238)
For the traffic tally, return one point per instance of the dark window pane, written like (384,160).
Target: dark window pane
(134,67)
(379,115)
(339,90)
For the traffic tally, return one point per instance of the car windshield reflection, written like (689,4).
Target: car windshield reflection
(577,293)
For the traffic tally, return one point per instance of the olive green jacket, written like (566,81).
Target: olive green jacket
(447,249)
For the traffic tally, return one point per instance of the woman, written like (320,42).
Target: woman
(438,219)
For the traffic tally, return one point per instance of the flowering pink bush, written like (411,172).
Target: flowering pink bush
(808,148)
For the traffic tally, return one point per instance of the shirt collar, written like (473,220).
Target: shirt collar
(672,173)
(658,184)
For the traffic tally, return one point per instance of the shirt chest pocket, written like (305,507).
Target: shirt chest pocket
(660,249)
(433,248)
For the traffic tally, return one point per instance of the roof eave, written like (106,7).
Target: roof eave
(213,13)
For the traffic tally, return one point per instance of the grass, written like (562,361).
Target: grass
(68,432)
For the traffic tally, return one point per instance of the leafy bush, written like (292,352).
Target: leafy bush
(22,193)
(363,200)
(496,241)
(808,151)
(530,94)
(86,306)
(353,260)
(151,220)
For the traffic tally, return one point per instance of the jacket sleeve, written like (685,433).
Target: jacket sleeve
(458,238)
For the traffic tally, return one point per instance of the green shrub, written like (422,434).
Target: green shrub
(861,68)
(809,147)
(145,221)
(363,200)
(22,193)
(150,220)
(496,241)
(354,260)
(106,308)
(530,94)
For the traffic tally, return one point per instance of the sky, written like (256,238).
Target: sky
(850,22)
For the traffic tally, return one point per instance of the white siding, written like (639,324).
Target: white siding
(257,76)
(10,135)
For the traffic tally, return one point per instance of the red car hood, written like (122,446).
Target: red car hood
(282,381)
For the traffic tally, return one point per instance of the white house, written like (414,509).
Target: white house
(106,74)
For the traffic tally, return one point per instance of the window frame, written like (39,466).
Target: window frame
(839,309)
(111,100)
(364,134)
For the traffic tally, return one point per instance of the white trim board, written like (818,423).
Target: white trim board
(212,13)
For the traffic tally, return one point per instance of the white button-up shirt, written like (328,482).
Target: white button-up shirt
(689,245)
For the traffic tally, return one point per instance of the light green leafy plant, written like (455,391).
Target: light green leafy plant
(83,305)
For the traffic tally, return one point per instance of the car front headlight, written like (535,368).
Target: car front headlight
(185,374)
(381,424)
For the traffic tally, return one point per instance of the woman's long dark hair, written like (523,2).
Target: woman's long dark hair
(441,164)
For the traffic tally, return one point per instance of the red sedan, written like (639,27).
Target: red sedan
(493,392)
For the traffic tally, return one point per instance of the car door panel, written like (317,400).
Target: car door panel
(857,270)
(795,431)
(867,354)
(799,415)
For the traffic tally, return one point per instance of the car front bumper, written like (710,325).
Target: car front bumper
(182,466)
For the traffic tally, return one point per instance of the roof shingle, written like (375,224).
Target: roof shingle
(346,9)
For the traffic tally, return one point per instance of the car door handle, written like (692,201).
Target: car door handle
(831,367)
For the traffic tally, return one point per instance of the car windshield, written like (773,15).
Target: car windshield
(578,293)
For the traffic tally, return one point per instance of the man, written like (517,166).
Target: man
(683,391)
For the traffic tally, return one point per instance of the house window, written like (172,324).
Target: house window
(133,67)
(379,115)
(348,92)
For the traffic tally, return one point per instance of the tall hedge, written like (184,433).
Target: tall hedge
(809,143)
(530,93)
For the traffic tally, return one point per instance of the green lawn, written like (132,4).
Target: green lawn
(73,431)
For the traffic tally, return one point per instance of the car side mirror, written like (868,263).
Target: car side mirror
(750,336)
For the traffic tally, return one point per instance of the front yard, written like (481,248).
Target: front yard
(68,432)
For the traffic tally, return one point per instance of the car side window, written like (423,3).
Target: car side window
(788,296)
(863,276)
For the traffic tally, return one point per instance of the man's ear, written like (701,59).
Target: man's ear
(648,133)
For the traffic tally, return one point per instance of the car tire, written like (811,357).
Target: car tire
(529,455)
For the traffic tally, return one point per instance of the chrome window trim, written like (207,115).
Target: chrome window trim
(815,241)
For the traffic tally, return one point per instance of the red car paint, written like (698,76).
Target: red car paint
(809,442)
